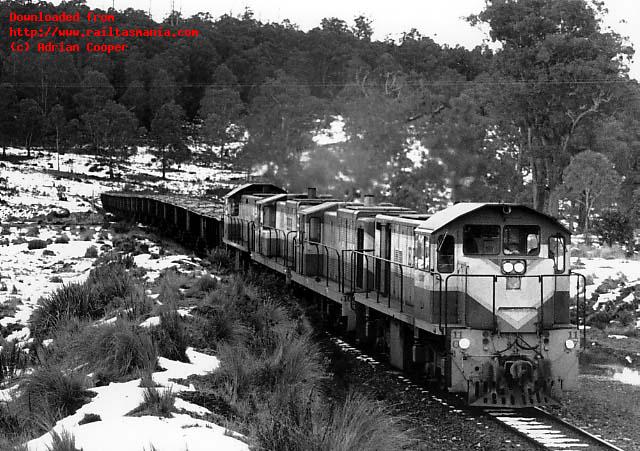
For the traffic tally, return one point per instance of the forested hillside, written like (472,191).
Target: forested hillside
(503,122)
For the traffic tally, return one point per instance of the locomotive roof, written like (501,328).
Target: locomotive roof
(443,217)
(253,188)
(306,211)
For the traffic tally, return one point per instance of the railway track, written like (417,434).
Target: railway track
(542,429)
(548,431)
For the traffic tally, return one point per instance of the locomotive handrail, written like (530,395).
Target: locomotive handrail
(277,245)
(376,278)
(354,275)
(251,231)
(495,277)
(286,248)
(326,247)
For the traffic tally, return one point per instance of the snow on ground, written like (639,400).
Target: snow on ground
(28,190)
(116,431)
(601,269)
(36,182)
(29,275)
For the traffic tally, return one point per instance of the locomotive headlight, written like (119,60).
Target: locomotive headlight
(507,267)
(464,343)
(569,344)
(519,267)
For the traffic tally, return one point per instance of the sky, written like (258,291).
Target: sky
(441,20)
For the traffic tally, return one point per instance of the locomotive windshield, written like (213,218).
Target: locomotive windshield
(481,239)
(521,240)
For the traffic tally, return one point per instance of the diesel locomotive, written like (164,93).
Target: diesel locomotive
(477,296)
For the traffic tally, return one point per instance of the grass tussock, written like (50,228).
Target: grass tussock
(169,288)
(271,382)
(49,388)
(121,351)
(220,259)
(135,305)
(203,284)
(360,423)
(171,336)
(112,352)
(13,361)
(155,403)
(64,441)
(110,281)
(74,300)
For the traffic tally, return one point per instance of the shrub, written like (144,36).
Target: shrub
(49,388)
(65,441)
(92,252)
(626,317)
(125,244)
(599,319)
(613,226)
(156,403)
(73,300)
(121,350)
(37,244)
(114,257)
(171,336)
(62,239)
(86,235)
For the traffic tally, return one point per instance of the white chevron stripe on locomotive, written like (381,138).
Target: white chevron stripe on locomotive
(517,317)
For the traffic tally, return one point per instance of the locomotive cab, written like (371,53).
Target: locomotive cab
(504,304)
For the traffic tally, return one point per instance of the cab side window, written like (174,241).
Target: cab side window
(446,252)
(421,255)
(557,252)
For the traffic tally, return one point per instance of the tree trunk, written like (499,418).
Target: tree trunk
(453,183)
(58,147)
(539,186)
(164,166)
(587,212)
